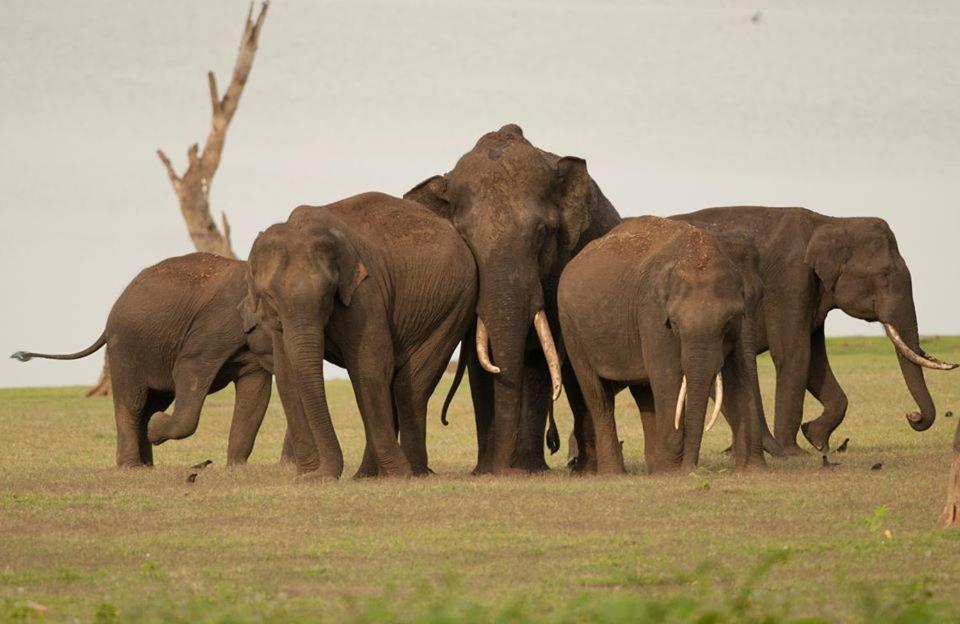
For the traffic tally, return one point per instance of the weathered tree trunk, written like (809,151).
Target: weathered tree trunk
(193,187)
(951,512)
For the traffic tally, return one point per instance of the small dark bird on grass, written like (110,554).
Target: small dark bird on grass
(877,466)
(826,463)
(843,447)
(202,464)
(949,415)
(192,477)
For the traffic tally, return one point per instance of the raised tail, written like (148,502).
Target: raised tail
(457,377)
(26,356)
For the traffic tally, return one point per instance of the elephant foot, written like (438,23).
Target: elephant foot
(510,471)
(816,436)
(133,464)
(792,449)
(157,428)
(770,445)
(315,476)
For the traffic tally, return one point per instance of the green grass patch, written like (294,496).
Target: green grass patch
(83,541)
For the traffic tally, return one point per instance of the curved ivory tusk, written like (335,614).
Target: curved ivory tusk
(483,342)
(909,353)
(549,351)
(717,402)
(681,399)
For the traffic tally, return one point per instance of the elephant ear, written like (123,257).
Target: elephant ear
(575,199)
(249,309)
(432,193)
(826,254)
(349,266)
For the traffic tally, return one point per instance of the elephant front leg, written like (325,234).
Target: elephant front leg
(793,366)
(825,387)
(535,406)
(192,379)
(252,397)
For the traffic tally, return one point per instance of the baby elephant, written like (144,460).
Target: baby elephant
(656,306)
(176,332)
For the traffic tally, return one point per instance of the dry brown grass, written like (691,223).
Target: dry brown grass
(79,535)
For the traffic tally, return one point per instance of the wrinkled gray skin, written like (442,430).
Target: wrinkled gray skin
(375,284)
(811,264)
(175,333)
(649,303)
(524,213)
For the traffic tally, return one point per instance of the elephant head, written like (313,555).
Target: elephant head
(521,212)
(298,274)
(703,303)
(861,271)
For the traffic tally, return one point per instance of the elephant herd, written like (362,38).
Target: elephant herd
(517,255)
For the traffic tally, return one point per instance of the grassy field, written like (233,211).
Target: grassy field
(83,541)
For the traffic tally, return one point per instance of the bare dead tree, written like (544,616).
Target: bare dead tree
(193,187)
(951,512)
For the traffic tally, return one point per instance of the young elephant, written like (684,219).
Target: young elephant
(656,306)
(380,286)
(175,332)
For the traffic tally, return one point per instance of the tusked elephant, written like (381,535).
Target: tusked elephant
(811,264)
(175,333)
(655,305)
(524,213)
(380,286)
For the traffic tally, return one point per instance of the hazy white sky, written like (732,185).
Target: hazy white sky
(848,108)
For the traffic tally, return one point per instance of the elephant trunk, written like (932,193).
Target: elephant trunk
(306,350)
(701,364)
(904,328)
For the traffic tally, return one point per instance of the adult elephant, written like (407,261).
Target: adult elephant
(524,213)
(175,333)
(380,286)
(655,305)
(811,264)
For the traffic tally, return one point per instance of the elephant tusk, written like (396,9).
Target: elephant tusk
(549,350)
(909,353)
(483,342)
(681,398)
(717,402)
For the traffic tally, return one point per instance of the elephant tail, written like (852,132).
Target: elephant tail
(553,436)
(26,356)
(457,378)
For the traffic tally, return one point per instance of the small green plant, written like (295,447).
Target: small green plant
(874,522)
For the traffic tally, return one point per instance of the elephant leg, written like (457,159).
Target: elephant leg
(481,394)
(371,371)
(665,450)
(287,453)
(192,378)
(825,387)
(533,419)
(792,361)
(411,419)
(129,401)
(252,397)
(643,397)
(582,444)
(743,412)
(599,401)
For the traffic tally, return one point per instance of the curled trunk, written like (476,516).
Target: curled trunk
(906,324)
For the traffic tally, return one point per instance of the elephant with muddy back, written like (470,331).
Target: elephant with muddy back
(524,213)
(655,305)
(811,264)
(380,286)
(175,334)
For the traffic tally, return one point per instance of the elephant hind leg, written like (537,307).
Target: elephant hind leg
(192,378)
